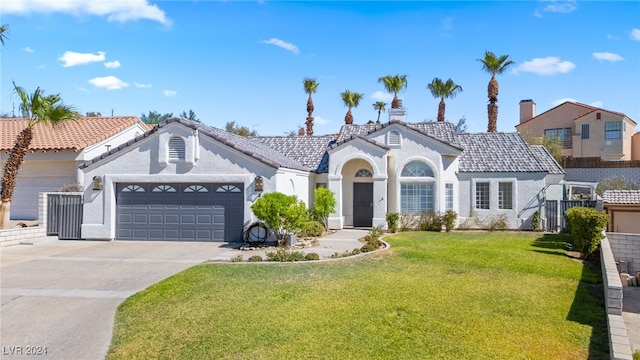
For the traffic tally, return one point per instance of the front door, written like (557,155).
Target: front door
(362,204)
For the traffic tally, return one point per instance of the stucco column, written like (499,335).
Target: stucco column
(380,201)
(335,220)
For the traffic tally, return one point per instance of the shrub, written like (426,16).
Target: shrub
(585,229)
(535,221)
(498,222)
(283,255)
(312,256)
(407,222)
(313,229)
(430,221)
(449,219)
(237,258)
(615,184)
(285,214)
(324,204)
(392,221)
(255,258)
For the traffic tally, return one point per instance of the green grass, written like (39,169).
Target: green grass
(462,295)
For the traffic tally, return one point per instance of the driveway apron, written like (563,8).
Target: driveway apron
(59,297)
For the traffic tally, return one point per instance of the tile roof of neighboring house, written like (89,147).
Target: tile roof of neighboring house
(626,197)
(310,151)
(69,135)
(546,160)
(442,131)
(247,146)
(499,152)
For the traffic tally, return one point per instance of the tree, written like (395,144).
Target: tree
(4,30)
(394,84)
(616,183)
(351,100)
(284,214)
(190,116)
(443,90)
(461,126)
(325,205)
(234,128)
(38,108)
(154,117)
(494,65)
(380,106)
(93,114)
(310,87)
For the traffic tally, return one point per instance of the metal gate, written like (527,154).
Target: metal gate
(64,215)
(568,204)
(551,213)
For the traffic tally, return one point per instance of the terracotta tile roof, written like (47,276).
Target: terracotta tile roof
(70,135)
(621,196)
(500,152)
(587,109)
(310,151)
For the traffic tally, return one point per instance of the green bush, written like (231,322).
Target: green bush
(324,204)
(313,229)
(449,219)
(237,258)
(430,221)
(392,221)
(585,228)
(616,184)
(285,214)
(408,222)
(535,221)
(312,256)
(255,258)
(283,255)
(498,223)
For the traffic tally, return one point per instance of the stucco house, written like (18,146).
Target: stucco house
(623,208)
(55,154)
(585,131)
(187,181)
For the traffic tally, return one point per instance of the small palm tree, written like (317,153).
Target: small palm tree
(4,29)
(38,108)
(443,89)
(394,84)
(351,100)
(380,106)
(310,87)
(494,65)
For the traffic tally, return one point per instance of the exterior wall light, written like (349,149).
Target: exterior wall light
(259,185)
(97,183)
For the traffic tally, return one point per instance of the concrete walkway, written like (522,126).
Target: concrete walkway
(60,296)
(631,315)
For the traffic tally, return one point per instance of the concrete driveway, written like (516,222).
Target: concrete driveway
(59,297)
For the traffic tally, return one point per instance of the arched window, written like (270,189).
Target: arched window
(417,183)
(176,148)
(363,173)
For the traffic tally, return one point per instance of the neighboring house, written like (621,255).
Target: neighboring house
(55,154)
(623,208)
(187,181)
(585,131)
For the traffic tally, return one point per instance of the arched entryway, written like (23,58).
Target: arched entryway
(357,187)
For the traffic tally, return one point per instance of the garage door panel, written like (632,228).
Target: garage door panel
(197,212)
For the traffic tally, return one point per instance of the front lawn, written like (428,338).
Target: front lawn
(462,295)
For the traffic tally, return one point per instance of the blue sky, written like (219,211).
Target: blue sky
(244,61)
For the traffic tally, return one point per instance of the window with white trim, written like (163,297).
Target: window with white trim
(176,148)
(482,195)
(505,195)
(416,188)
(448,196)
(363,173)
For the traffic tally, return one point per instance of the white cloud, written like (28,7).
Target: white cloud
(563,100)
(119,10)
(27,49)
(170,93)
(283,44)
(320,120)
(112,64)
(109,83)
(556,6)
(549,65)
(142,86)
(612,37)
(70,58)
(381,96)
(635,34)
(597,104)
(607,56)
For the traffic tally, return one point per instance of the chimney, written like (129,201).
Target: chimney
(397,114)
(527,110)
(301,132)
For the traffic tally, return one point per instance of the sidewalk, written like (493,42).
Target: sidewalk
(631,315)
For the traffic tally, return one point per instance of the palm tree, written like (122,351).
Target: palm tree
(4,29)
(494,65)
(351,100)
(380,106)
(443,89)
(37,108)
(393,84)
(310,87)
